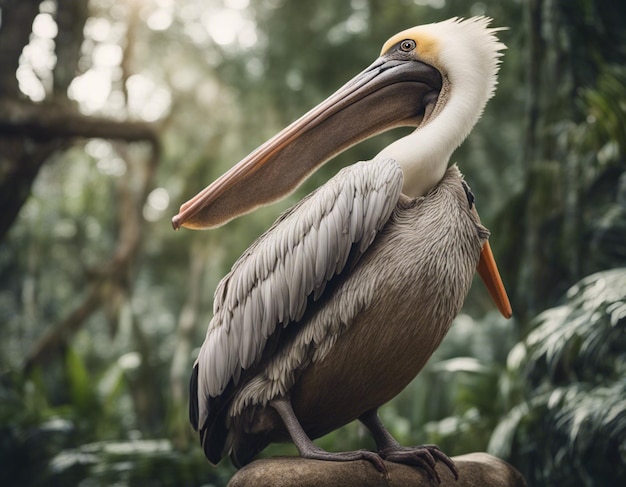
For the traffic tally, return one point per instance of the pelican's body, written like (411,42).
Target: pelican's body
(337,307)
(373,329)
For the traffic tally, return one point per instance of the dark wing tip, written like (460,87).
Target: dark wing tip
(213,434)
(212,450)
(193,398)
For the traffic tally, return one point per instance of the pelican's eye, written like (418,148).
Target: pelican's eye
(407,45)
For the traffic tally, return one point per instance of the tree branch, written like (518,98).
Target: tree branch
(474,469)
(46,121)
(56,337)
(51,126)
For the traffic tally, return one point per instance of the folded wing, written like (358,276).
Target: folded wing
(271,283)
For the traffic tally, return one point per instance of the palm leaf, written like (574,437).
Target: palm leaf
(582,337)
(571,427)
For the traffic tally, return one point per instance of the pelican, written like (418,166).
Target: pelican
(336,308)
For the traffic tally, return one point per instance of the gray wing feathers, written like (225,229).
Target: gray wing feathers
(305,248)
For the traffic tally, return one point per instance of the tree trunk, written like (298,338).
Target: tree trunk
(550,253)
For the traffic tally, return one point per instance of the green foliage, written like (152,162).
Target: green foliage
(136,463)
(606,119)
(82,394)
(571,427)
(31,431)
(582,339)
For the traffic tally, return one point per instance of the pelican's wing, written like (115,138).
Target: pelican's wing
(307,246)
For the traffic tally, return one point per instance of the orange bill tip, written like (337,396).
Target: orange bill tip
(488,271)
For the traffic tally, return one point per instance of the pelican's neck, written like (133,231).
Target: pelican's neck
(425,153)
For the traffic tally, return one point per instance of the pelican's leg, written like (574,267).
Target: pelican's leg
(308,449)
(424,456)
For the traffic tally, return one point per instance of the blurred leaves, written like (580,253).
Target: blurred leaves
(571,427)
(135,462)
(582,339)
(606,108)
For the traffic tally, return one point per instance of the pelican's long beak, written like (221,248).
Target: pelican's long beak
(488,271)
(391,92)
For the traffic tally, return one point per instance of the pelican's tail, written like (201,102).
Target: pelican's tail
(246,448)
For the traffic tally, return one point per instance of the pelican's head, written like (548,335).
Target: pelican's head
(465,52)
(443,72)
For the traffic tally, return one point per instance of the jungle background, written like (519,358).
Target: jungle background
(113,113)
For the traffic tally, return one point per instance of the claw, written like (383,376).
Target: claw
(376,460)
(425,456)
(443,458)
